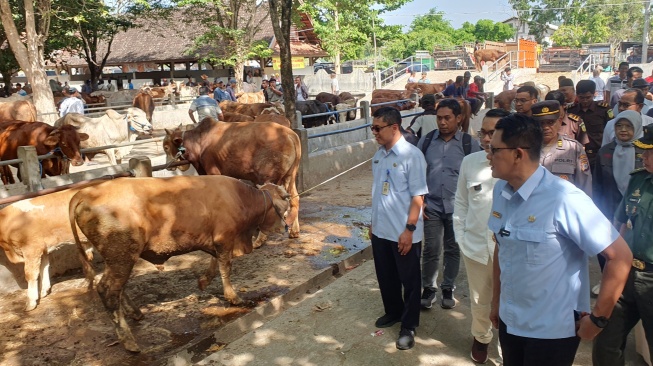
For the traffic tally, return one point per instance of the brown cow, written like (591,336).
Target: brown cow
(391,94)
(485,56)
(401,106)
(276,118)
(257,151)
(236,117)
(253,109)
(29,230)
(328,98)
(62,141)
(423,88)
(144,102)
(504,99)
(249,98)
(157,218)
(93,99)
(22,110)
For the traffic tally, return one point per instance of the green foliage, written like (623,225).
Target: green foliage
(487,30)
(583,21)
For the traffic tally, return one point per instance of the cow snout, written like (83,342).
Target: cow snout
(78,162)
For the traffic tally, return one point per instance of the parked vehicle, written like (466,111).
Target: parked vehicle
(407,67)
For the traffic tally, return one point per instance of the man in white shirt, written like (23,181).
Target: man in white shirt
(470,215)
(599,94)
(508,78)
(335,88)
(72,104)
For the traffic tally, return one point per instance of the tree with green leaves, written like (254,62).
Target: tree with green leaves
(345,27)
(32,19)
(231,30)
(90,27)
(487,30)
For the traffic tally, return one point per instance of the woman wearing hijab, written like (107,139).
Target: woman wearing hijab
(616,160)
(613,166)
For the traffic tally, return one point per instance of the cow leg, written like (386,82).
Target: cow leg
(110,289)
(224,262)
(261,238)
(111,154)
(32,267)
(45,275)
(130,308)
(294,210)
(204,280)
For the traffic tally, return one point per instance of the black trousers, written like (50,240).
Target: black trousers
(394,272)
(524,351)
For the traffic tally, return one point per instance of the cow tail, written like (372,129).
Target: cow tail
(85,250)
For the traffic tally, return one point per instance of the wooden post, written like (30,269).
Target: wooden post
(303,163)
(141,166)
(30,168)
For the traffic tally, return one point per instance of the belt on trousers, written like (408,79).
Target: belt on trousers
(642,266)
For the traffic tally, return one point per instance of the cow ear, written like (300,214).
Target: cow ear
(179,127)
(168,132)
(52,139)
(83,136)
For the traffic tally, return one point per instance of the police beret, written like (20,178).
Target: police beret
(548,109)
(565,82)
(646,142)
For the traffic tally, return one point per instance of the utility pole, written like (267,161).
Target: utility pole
(647,22)
(376,66)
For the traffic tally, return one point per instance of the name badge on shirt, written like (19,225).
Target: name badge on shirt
(386,188)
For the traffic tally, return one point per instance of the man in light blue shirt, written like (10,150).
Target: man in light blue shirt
(399,171)
(545,229)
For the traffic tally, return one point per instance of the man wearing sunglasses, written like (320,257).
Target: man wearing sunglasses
(561,155)
(399,171)
(545,229)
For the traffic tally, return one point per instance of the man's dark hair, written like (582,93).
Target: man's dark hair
(272,81)
(204,90)
(520,130)
(497,113)
(585,86)
(633,69)
(459,79)
(451,104)
(639,97)
(624,63)
(507,69)
(556,95)
(531,90)
(428,101)
(389,115)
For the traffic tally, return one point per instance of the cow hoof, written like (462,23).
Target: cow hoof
(235,300)
(31,305)
(137,315)
(293,234)
(45,292)
(258,243)
(131,346)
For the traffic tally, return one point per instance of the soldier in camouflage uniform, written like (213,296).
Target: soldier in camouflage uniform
(561,155)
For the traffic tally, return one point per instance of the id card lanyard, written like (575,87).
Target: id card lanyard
(386,183)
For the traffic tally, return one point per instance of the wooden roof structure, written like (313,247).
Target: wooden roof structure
(170,40)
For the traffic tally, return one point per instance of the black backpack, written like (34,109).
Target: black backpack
(467,142)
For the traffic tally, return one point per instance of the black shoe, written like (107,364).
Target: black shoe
(479,352)
(448,301)
(428,298)
(406,339)
(386,321)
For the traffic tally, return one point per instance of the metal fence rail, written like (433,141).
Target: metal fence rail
(329,133)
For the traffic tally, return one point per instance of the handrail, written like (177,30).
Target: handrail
(591,65)
(493,75)
(335,132)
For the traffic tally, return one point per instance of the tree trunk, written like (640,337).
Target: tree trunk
(281,15)
(6,77)
(239,66)
(30,58)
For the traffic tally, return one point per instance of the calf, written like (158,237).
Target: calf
(157,218)
(30,230)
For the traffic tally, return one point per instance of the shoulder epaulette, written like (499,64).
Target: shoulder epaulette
(638,170)
(574,117)
(603,104)
(570,105)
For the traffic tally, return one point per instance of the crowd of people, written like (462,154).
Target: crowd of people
(544,187)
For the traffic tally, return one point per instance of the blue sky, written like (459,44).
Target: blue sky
(457,11)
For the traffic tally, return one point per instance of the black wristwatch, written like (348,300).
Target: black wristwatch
(599,321)
(411,227)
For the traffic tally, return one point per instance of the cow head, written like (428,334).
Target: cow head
(173,145)
(137,121)
(64,141)
(276,213)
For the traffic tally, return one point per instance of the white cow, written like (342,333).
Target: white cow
(110,129)
(117,98)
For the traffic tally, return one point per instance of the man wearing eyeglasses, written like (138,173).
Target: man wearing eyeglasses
(545,229)
(397,226)
(526,96)
(595,115)
(561,155)
(631,100)
(470,214)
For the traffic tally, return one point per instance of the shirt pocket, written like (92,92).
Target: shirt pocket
(398,180)
(476,190)
(562,168)
(538,249)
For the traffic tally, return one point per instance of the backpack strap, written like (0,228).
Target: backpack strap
(467,143)
(427,141)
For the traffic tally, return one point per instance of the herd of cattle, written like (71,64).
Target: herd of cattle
(128,218)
